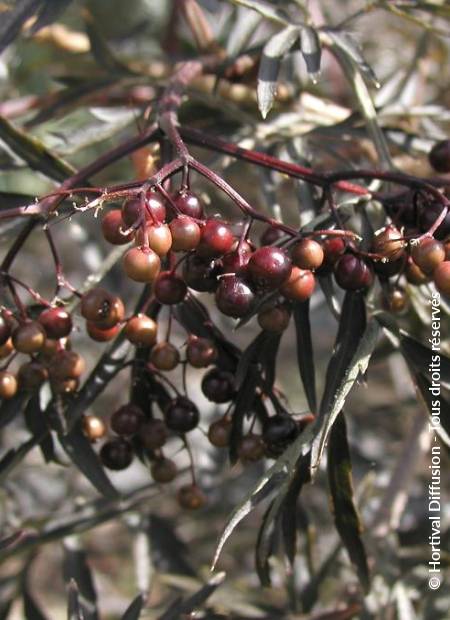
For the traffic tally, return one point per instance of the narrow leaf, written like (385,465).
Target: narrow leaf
(133,611)
(74,611)
(311,51)
(31,609)
(80,450)
(305,353)
(76,567)
(343,507)
(347,44)
(185,608)
(13,20)
(48,13)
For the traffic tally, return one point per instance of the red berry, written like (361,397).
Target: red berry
(218,386)
(189,204)
(6,349)
(269,267)
(200,352)
(102,308)
(333,249)
(201,274)
(8,385)
(153,434)
(414,274)
(185,233)
(299,286)
(116,454)
(101,335)
(127,420)
(181,415)
(32,375)
(234,297)
(170,288)
(164,356)
(57,322)
(307,254)
(396,301)
(251,448)
(274,319)
(352,273)
(163,470)
(141,264)
(439,156)
(235,262)
(66,365)
(191,497)
(216,239)
(219,432)
(152,209)
(141,330)
(113,227)
(93,427)
(428,253)
(441,276)
(388,242)
(155,209)
(158,237)
(29,337)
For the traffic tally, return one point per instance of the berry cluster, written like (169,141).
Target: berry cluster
(176,250)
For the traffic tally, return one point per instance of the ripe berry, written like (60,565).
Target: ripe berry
(439,156)
(141,264)
(219,432)
(93,427)
(127,420)
(237,260)
(278,432)
(447,249)
(403,212)
(57,322)
(428,215)
(216,239)
(29,337)
(414,274)
(113,227)
(234,297)
(101,335)
(307,254)
(441,276)
(99,306)
(116,454)
(251,448)
(163,470)
(200,274)
(269,267)
(141,330)
(153,434)
(299,286)
(185,234)
(333,248)
(200,352)
(64,386)
(152,210)
(191,497)
(164,356)
(6,349)
(32,375)
(271,235)
(352,273)
(218,385)
(5,330)
(181,415)
(158,238)
(396,301)
(388,242)
(189,204)
(8,385)
(274,319)
(428,254)
(389,268)
(170,288)
(66,365)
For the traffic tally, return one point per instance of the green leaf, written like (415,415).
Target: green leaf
(305,353)
(74,611)
(15,456)
(343,507)
(13,20)
(34,152)
(76,567)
